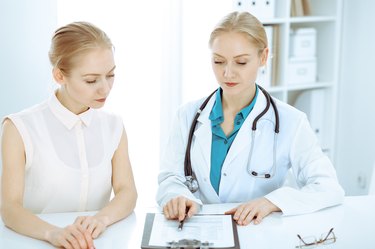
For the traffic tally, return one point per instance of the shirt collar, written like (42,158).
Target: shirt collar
(216,115)
(66,117)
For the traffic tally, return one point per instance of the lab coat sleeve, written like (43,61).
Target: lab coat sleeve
(314,173)
(171,177)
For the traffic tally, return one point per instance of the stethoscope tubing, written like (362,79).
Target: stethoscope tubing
(192,182)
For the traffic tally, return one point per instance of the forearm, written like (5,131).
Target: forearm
(294,202)
(171,186)
(120,207)
(24,222)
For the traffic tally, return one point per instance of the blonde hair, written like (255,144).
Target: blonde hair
(245,23)
(75,39)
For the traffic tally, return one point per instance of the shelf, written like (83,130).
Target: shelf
(307,19)
(298,87)
(300,19)
(309,86)
(274,21)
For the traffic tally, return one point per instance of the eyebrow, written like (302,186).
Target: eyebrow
(240,55)
(96,74)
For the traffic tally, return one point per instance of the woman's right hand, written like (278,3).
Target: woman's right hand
(70,237)
(179,207)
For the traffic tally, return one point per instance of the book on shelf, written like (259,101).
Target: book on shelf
(275,54)
(306,7)
(300,8)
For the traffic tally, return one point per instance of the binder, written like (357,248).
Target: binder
(149,221)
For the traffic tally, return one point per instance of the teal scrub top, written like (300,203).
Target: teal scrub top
(220,142)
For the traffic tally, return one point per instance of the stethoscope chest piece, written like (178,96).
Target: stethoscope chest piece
(192,183)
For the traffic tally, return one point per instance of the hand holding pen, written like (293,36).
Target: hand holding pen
(181,224)
(180,208)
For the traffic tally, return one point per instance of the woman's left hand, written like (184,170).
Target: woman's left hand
(253,210)
(94,225)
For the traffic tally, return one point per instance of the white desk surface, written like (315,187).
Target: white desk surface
(353,222)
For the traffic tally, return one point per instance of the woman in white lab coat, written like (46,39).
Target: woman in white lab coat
(232,161)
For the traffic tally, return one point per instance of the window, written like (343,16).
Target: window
(135,29)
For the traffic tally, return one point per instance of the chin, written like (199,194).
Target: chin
(97,105)
(232,90)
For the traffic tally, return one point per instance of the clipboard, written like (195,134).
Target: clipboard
(149,221)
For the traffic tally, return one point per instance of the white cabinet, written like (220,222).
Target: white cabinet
(305,58)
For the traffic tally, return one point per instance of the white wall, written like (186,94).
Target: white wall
(355,153)
(25,75)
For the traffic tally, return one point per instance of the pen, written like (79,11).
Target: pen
(181,224)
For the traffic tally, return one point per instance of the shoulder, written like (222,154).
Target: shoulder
(29,111)
(112,123)
(8,127)
(109,116)
(23,116)
(191,107)
(288,113)
(10,134)
(186,112)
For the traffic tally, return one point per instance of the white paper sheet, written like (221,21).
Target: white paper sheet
(216,229)
(217,208)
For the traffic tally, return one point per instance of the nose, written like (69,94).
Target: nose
(105,87)
(228,71)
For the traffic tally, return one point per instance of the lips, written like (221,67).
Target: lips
(230,84)
(101,100)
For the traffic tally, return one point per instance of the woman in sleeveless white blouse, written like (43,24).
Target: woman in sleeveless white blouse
(65,155)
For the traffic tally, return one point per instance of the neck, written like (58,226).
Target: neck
(235,103)
(68,103)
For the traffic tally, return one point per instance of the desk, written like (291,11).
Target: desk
(354,224)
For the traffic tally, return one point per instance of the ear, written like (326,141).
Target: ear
(264,57)
(58,76)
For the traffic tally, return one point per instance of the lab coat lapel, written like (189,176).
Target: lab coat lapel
(203,138)
(243,137)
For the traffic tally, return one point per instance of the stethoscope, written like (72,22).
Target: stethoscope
(191,180)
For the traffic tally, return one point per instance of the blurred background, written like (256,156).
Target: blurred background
(321,64)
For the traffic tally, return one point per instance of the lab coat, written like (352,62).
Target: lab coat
(298,151)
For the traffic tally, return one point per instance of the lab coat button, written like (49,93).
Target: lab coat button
(225,174)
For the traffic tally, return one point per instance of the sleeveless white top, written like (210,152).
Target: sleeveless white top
(68,157)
